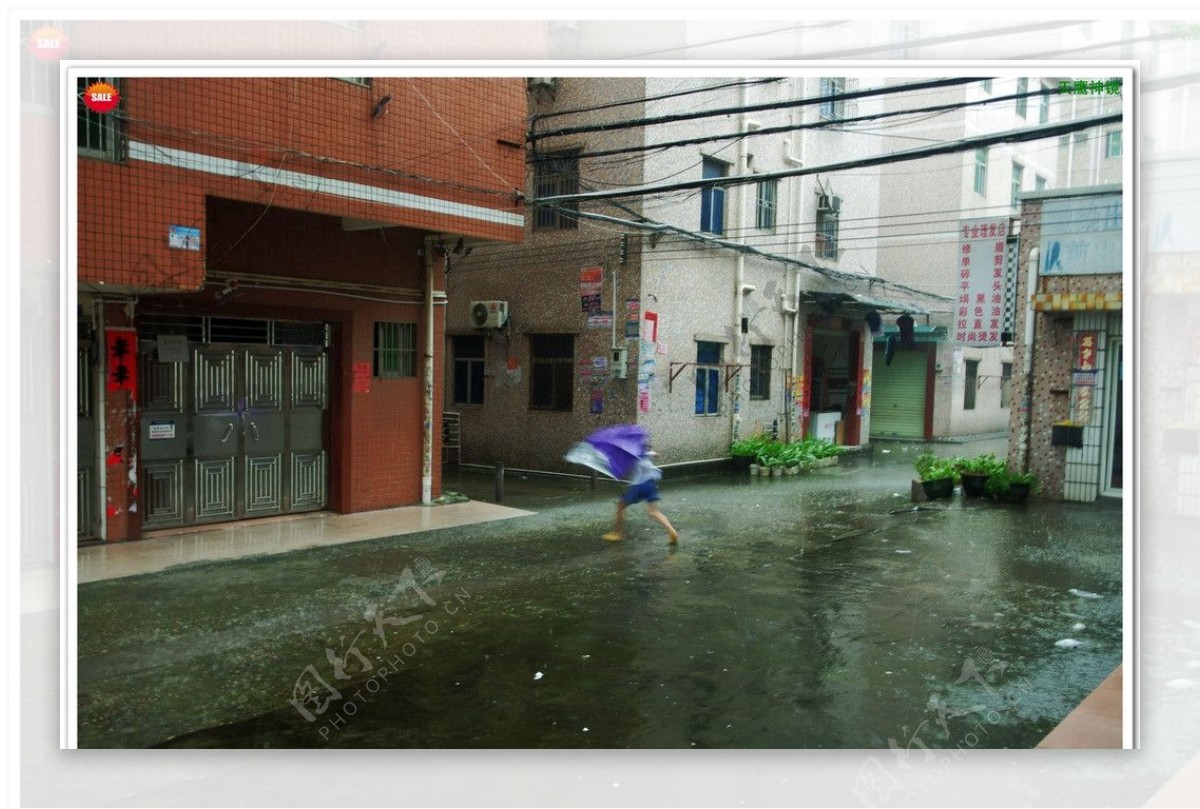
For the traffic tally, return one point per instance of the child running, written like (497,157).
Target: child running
(643,486)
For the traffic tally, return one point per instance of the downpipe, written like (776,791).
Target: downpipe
(1035,258)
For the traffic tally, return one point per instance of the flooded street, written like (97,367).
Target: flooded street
(820,611)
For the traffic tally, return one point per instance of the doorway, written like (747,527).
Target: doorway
(237,431)
(1113,469)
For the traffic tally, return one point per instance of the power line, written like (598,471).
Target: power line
(533,137)
(663,97)
(776,130)
(918,153)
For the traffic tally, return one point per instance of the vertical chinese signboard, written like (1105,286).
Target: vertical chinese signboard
(122,359)
(1083,380)
(590,280)
(980,307)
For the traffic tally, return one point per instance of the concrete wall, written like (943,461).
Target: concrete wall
(540,280)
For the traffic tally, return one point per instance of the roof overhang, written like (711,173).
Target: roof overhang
(832,301)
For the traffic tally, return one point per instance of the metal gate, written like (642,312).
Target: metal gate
(898,393)
(237,431)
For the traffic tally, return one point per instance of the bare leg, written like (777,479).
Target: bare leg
(662,520)
(619,527)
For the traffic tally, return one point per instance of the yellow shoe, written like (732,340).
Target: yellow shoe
(673,537)
(612,536)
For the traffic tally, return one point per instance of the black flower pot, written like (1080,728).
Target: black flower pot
(1066,435)
(973,483)
(937,488)
(1015,493)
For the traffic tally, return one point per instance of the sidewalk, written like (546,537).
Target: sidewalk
(274,535)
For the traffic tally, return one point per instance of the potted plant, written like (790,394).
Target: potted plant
(743,451)
(936,474)
(975,472)
(1012,487)
(1066,434)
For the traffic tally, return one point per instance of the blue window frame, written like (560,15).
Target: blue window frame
(708,378)
(712,199)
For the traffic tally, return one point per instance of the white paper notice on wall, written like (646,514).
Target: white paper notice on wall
(959,363)
(172,348)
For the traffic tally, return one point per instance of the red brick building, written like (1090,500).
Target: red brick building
(260,282)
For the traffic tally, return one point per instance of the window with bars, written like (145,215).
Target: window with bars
(708,378)
(555,175)
(395,351)
(768,203)
(712,199)
(551,371)
(468,370)
(361,81)
(760,372)
(835,108)
(99,133)
(1005,384)
(827,233)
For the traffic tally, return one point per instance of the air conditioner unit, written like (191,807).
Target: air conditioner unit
(489,314)
(619,362)
(827,202)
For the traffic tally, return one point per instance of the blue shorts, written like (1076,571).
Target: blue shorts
(646,490)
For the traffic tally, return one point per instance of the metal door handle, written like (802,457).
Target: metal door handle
(228,432)
(254,429)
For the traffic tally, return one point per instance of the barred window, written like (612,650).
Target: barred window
(551,371)
(468,370)
(556,175)
(760,372)
(768,200)
(395,350)
(99,133)
(835,108)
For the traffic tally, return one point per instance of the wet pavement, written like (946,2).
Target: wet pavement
(820,611)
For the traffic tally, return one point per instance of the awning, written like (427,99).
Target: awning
(831,301)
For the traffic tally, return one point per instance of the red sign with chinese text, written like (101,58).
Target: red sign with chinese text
(121,345)
(1086,343)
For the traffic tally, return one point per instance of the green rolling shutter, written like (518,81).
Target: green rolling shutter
(898,394)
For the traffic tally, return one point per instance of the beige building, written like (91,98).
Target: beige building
(957,378)
(706,312)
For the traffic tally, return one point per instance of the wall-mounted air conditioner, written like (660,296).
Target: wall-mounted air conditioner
(489,314)
(828,202)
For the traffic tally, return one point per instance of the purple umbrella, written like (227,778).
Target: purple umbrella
(612,450)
